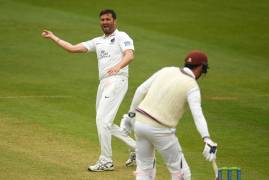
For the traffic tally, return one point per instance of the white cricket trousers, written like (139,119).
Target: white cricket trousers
(164,140)
(110,94)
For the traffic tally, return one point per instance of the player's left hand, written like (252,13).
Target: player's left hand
(113,70)
(210,149)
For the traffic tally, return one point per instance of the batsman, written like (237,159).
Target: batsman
(157,107)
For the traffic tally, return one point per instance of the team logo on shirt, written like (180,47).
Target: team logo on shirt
(127,43)
(103,54)
(112,41)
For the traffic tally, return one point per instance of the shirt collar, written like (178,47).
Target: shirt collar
(113,34)
(188,71)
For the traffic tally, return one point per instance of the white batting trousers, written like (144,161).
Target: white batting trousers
(164,140)
(110,94)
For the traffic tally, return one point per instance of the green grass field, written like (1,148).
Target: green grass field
(47,96)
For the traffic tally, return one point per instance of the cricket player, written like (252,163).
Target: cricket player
(157,107)
(114,50)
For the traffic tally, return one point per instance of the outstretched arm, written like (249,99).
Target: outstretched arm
(78,48)
(194,100)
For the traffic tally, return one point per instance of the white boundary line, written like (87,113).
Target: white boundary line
(233,98)
(219,98)
(27,97)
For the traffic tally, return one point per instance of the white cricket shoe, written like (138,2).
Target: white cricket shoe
(101,165)
(131,160)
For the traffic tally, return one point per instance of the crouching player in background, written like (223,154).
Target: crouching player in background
(157,107)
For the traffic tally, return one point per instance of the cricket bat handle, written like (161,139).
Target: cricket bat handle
(215,168)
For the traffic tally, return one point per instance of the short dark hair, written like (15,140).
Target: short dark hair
(108,11)
(193,66)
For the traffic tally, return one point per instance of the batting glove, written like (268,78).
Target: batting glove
(127,123)
(210,149)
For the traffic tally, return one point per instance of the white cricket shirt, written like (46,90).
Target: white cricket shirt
(109,51)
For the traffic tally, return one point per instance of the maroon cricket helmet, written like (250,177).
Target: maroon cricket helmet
(196,58)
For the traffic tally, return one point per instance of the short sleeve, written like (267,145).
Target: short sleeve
(90,45)
(125,42)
